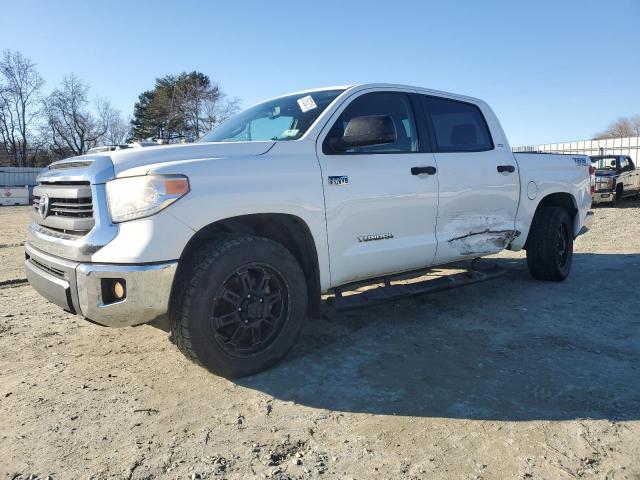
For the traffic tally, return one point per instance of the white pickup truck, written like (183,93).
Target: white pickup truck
(237,236)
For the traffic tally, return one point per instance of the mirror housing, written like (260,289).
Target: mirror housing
(365,131)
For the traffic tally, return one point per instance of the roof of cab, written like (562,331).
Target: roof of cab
(365,86)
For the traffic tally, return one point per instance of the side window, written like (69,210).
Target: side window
(630,164)
(397,106)
(458,126)
(624,164)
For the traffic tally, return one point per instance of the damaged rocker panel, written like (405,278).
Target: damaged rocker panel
(486,241)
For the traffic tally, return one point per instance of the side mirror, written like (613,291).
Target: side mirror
(367,130)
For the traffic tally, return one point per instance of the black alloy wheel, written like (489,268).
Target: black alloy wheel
(238,304)
(550,244)
(249,309)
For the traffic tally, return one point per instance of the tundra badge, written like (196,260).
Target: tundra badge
(376,236)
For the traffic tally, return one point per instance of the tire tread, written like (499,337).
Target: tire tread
(189,284)
(198,264)
(541,245)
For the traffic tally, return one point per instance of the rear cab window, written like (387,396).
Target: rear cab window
(457,126)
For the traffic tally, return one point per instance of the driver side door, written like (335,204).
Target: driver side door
(380,204)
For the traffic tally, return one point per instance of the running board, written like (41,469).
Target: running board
(390,292)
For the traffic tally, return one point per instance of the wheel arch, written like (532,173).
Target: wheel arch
(288,230)
(558,199)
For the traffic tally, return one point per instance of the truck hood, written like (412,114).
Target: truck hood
(140,156)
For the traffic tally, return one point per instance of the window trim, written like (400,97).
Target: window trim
(425,128)
(434,144)
(631,162)
(408,95)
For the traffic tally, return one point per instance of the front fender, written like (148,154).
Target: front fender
(274,184)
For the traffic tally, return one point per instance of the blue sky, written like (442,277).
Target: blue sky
(552,70)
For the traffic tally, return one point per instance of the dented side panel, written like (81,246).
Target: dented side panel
(473,235)
(483,243)
(477,204)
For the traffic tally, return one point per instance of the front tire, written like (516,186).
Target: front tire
(550,245)
(241,305)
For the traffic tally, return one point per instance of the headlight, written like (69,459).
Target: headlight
(137,197)
(605,182)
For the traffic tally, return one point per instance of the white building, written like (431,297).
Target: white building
(607,146)
(16,177)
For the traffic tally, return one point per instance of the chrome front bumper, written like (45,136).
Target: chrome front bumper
(79,288)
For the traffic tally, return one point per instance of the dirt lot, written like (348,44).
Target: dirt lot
(510,378)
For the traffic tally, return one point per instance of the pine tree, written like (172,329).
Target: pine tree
(183,106)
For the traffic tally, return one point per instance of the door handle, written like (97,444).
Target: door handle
(421,170)
(506,168)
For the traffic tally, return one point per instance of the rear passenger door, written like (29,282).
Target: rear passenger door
(478,180)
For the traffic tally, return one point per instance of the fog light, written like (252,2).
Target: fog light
(113,290)
(118,289)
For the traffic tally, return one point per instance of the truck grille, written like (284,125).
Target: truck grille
(70,207)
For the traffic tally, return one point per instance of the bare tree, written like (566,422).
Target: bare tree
(623,127)
(192,94)
(201,103)
(20,86)
(119,129)
(71,127)
(215,113)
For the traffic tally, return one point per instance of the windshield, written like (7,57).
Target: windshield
(604,163)
(285,118)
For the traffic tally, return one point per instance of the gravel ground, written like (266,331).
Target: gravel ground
(510,378)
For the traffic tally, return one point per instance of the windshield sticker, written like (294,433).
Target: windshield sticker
(306,103)
(290,133)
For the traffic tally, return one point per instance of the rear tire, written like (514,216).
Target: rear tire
(240,306)
(550,245)
(619,196)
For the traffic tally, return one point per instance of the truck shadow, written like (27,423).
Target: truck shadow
(508,349)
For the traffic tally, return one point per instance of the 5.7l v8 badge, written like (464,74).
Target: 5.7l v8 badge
(338,180)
